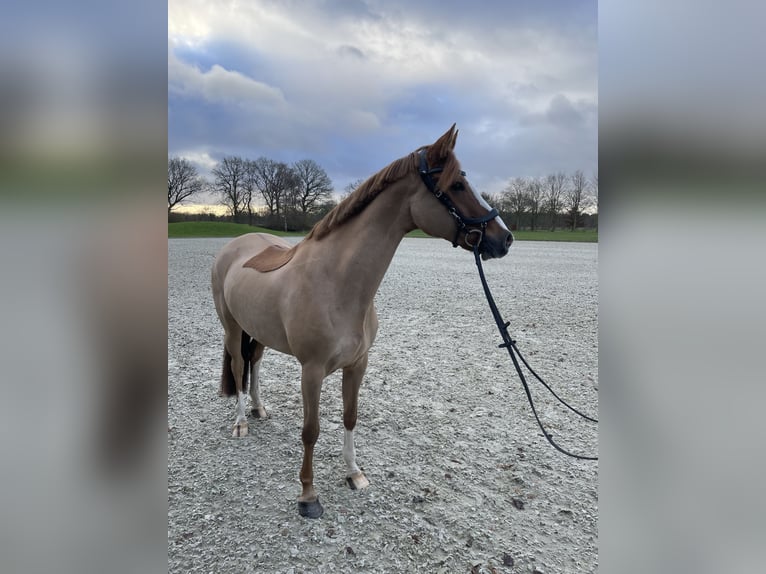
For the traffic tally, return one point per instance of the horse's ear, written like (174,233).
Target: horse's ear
(438,151)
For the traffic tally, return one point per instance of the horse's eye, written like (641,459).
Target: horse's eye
(458,186)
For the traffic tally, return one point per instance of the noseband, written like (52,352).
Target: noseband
(462,222)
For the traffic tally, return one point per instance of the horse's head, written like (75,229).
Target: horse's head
(447,206)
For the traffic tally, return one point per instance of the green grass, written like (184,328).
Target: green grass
(581,235)
(218,229)
(222,229)
(418,233)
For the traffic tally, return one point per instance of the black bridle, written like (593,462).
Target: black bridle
(462,222)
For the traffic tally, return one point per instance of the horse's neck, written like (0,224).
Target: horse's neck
(361,250)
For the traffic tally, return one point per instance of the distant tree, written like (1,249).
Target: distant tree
(229,183)
(351,187)
(535,196)
(249,184)
(493,200)
(276,182)
(574,196)
(263,169)
(517,198)
(313,185)
(554,196)
(323,209)
(183,181)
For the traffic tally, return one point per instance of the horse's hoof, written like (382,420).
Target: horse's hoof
(240,430)
(259,413)
(310,509)
(357,481)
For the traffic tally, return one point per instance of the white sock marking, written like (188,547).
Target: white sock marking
(255,385)
(241,401)
(349,454)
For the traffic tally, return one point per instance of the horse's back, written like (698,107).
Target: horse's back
(232,257)
(244,248)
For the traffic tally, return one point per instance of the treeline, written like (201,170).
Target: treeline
(259,192)
(556,201)
(277,195)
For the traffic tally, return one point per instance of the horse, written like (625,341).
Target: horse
(314,299)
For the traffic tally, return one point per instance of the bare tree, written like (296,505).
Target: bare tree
(554,191)
(249,184)
(323,209)
(263,169)
(285,183)
(230,175)
(517,198)
(493,200)
(535,197)
(351,187)
(574,196)
(183,181)
(314,185)
(276,182)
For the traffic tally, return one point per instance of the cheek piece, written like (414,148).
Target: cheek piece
(463,223)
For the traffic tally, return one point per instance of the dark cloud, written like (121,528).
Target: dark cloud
(351,51)
(561,112)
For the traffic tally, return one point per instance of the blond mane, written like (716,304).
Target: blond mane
(362,196)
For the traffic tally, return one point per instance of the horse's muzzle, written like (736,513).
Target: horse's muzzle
(495,247)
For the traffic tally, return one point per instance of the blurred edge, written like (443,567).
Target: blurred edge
(82,247)
(682,148)
(83,144)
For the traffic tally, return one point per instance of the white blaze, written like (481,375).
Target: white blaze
(486,206)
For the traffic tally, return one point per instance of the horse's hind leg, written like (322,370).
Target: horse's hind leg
(352,380)
(238,352)
(258,410)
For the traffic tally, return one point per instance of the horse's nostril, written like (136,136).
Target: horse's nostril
(509,239)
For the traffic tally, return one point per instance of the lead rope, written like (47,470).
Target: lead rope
(510,344)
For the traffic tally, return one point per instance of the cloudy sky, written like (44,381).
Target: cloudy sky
(355,84)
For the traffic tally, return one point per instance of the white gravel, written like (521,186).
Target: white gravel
(461,478)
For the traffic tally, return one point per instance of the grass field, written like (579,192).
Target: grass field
(220,229)
(217,229)
(581,235)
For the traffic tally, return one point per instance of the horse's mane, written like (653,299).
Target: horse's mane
(367,191)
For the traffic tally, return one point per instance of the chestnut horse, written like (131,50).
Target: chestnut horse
(314,300)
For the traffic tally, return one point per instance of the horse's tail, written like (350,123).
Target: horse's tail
(228,383)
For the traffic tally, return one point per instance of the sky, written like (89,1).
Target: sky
(357,84)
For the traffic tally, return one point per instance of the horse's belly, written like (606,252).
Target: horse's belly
(344,344)
(256,308)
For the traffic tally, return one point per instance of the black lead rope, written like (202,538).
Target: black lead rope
(510,344)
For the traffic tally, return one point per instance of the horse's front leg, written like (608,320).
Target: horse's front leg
(311,386)
(352,380)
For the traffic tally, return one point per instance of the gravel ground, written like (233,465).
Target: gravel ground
(461,478)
